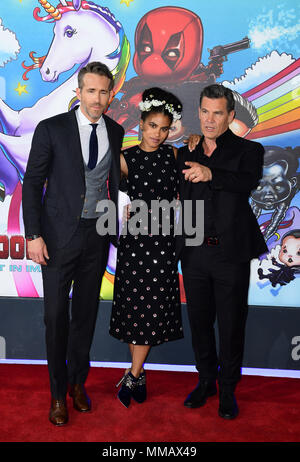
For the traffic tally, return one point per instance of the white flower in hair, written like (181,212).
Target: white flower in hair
(145,106)
(170,108)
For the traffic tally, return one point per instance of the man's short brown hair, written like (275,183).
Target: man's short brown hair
(95,68)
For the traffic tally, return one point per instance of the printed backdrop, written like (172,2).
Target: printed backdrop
(251,47)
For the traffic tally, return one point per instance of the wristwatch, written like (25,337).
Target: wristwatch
(32,237)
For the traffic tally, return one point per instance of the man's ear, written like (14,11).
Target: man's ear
(78,93)
(231,116)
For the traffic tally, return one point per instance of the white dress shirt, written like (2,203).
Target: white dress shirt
(85,129)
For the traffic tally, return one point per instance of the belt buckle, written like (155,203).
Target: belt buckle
(212,241)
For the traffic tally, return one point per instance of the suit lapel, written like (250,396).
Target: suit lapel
(110,134)
(114,154)
(75,142)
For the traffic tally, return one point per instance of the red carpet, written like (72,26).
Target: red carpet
(269,410)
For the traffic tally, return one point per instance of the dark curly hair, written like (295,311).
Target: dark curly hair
(159,94)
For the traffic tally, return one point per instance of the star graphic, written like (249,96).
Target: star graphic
(127,2)
(21,89)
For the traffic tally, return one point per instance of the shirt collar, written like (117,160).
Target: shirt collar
(83,120)
(221,139)
(224,137)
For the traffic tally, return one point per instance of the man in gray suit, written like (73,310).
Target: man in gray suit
(77,156)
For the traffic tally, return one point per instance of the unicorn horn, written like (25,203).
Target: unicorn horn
(50,9)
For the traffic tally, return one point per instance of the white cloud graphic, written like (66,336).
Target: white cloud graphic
(261,70)
(9,45)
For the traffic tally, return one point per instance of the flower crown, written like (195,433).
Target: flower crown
(145,106)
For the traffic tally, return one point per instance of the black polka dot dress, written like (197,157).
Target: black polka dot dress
(146,307)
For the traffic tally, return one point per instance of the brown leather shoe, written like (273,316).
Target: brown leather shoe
(58,414)
(81,401)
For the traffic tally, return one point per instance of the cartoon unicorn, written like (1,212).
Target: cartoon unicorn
(83,32)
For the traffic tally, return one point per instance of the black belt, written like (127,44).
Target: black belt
(211,240)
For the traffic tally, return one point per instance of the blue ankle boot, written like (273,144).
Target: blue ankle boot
(129,383)
(139,393)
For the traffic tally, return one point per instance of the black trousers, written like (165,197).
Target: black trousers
(70,330)
(216,289)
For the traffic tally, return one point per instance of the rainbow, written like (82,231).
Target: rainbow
(277,101)
(131,138)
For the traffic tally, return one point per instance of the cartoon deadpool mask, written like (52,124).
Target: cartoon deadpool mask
(168,44)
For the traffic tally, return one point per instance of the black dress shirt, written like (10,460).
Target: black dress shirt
(202,191)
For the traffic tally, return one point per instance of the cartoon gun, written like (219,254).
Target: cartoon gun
(219,53)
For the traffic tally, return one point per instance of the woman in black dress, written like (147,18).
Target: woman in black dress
(146,307)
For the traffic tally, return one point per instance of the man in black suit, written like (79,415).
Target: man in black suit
(221,171)
(74,163)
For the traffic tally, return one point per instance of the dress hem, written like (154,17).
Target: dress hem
(146,344)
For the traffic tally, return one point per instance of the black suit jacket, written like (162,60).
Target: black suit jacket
(236,171)
(56,158)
